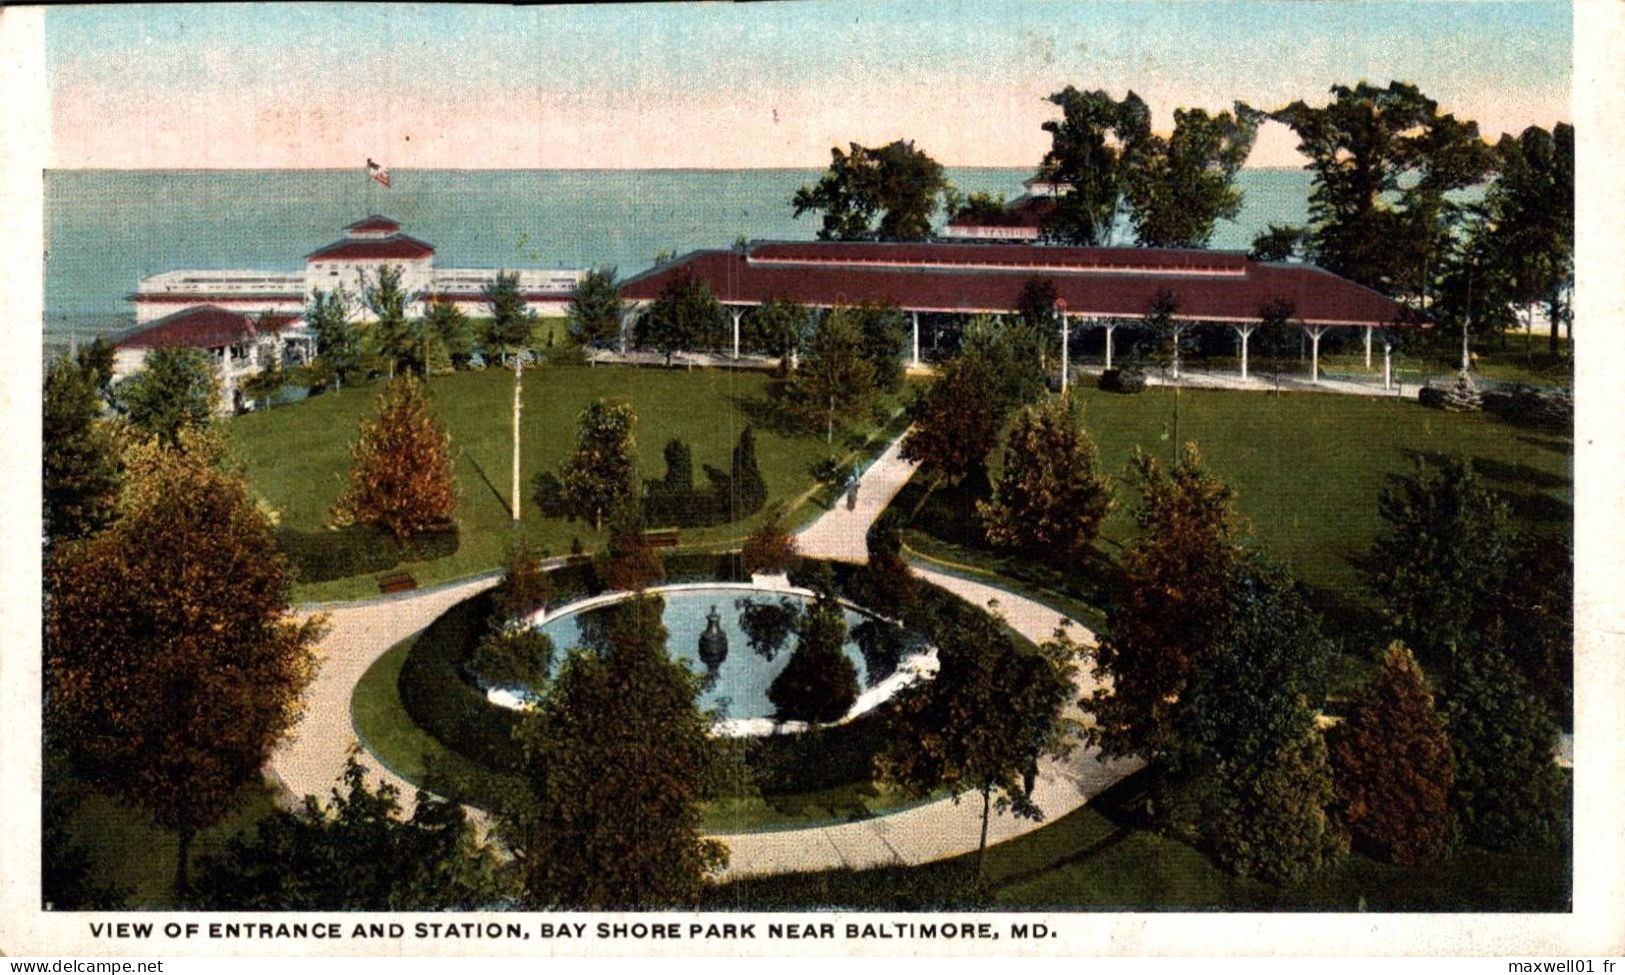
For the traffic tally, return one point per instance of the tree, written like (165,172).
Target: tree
(1443,563)
(525,587)
(835,380)
(326,856)
(1177,579)
(96,360)
(1510,793)
(447,325)
(1532,619)
(1530,207)
(602,470)
(595,309)
(401,341)
(81,462)
(685,317)
(510,332)
(778,327)
(171,667)
(631,563)
(616,761)
(400,467)
(897,183)
(747,488)
(338,343)
(980,209)
(1282,242)
(885,583)
(1245,767)
(1036,304)
(1167,333)
(956,421)
(1181,186)
(881,328)
(1392,766)
(517,658)
(176,388)
(818,684)
(1384,161)
(1051,497)
(770,548)
(262,386)
(1091,149)
(990,714)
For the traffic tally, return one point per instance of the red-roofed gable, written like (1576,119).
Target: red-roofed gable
(972,278)
(374,225)
(273,321)
(204,327)
(398,247)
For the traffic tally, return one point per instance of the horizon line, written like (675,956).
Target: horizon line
(512,169)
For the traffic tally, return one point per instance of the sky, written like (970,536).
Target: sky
(757,85)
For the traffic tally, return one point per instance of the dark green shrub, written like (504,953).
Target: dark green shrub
(437,693)
(324,555)
(1122,380)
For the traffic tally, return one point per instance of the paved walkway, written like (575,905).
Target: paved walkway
(838,533)
(357,635)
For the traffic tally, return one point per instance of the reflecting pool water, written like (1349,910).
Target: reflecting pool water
(758,630)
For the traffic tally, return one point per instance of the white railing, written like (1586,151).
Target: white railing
(222,282)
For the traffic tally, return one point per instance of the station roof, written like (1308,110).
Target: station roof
(1095,282)
(374,224)
(398,247)
(203,327)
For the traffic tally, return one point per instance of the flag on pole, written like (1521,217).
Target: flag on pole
(377,172)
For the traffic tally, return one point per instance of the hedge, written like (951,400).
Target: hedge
(438,692)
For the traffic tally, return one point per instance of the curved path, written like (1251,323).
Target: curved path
(944,828)
(359,633)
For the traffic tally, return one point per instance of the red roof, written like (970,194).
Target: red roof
(998,257)
(398,247)
(374,225)
(204,327)
(976,278)
(273,321)
(1027,211)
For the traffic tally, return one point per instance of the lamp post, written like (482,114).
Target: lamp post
(1066,335)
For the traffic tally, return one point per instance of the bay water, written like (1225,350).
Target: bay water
(107,229)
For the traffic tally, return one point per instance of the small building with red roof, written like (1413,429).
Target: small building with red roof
(239,344)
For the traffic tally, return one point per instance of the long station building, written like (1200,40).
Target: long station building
(1102,287)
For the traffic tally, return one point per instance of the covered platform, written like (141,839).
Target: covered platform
(1097,287)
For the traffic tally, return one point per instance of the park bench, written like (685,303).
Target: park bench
(397,582)
(661,537)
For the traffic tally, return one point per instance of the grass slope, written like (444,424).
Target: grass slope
(297,456)
(1307,469)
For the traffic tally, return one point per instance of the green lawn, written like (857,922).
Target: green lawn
(1307,469)
(297,456)
(1097,859)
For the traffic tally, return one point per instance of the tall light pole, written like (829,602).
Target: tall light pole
(1066,330)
